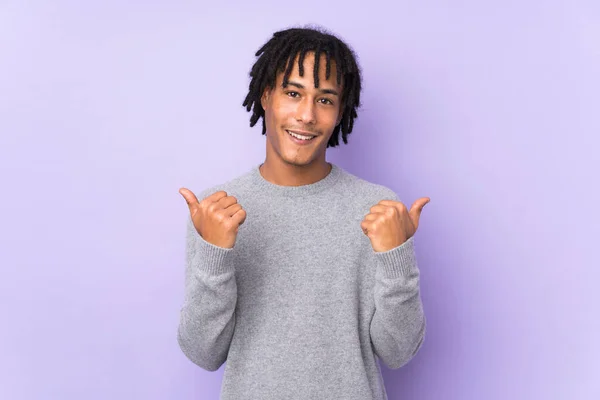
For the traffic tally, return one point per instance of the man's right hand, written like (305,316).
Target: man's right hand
(217,217)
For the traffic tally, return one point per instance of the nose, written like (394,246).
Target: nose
(306,112)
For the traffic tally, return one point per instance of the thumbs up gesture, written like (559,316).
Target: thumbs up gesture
(389,223)
(217,217)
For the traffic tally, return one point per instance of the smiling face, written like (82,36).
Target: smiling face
(303,109)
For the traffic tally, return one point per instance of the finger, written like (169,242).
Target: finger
(379,208)
(216,196)
(365,225)
(239,216)
(418,205)
(216,201)
(372,216)
(226,202)
(232,209)
(396,204)
(189,196)
(417,208)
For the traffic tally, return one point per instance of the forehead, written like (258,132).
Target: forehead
(308,71)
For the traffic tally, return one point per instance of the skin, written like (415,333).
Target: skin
(300,107)
(389,223)
(303,108)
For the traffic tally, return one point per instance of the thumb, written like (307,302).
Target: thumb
(416,209)
(189,196)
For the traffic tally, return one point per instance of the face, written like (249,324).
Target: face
(302,109)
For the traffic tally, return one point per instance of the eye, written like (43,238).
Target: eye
(327,101)
(292,94)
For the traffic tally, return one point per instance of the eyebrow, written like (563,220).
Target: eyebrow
(325,91)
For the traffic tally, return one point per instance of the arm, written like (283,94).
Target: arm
(398,325)
(207,318)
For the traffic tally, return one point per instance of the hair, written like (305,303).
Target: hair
(280,52)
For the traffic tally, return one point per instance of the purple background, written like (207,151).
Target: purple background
(107,109)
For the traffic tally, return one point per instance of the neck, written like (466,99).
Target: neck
(284,174)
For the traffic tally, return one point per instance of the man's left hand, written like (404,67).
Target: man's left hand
(389,223)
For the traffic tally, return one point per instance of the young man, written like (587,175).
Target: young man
(314,278)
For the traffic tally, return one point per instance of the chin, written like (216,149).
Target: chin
(296,162)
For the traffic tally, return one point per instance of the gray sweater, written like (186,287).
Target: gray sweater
(301,307)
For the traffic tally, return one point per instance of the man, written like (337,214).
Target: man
(314,278)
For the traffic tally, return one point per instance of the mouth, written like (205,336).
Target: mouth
(300,137)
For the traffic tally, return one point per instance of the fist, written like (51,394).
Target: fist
(217,217)
(389,223)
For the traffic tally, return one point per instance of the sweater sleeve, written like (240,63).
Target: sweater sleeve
(207,318)
(398,325)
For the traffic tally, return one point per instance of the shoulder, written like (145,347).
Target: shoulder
(238,187)
(366,191)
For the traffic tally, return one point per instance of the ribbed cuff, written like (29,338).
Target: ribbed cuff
(210,258)
(400,261)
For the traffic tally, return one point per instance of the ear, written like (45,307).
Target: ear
(264,99)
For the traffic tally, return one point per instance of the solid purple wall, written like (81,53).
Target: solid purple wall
(108,108)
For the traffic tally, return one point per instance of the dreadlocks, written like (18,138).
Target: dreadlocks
(281,50)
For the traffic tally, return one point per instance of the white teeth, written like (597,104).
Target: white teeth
(300,136)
